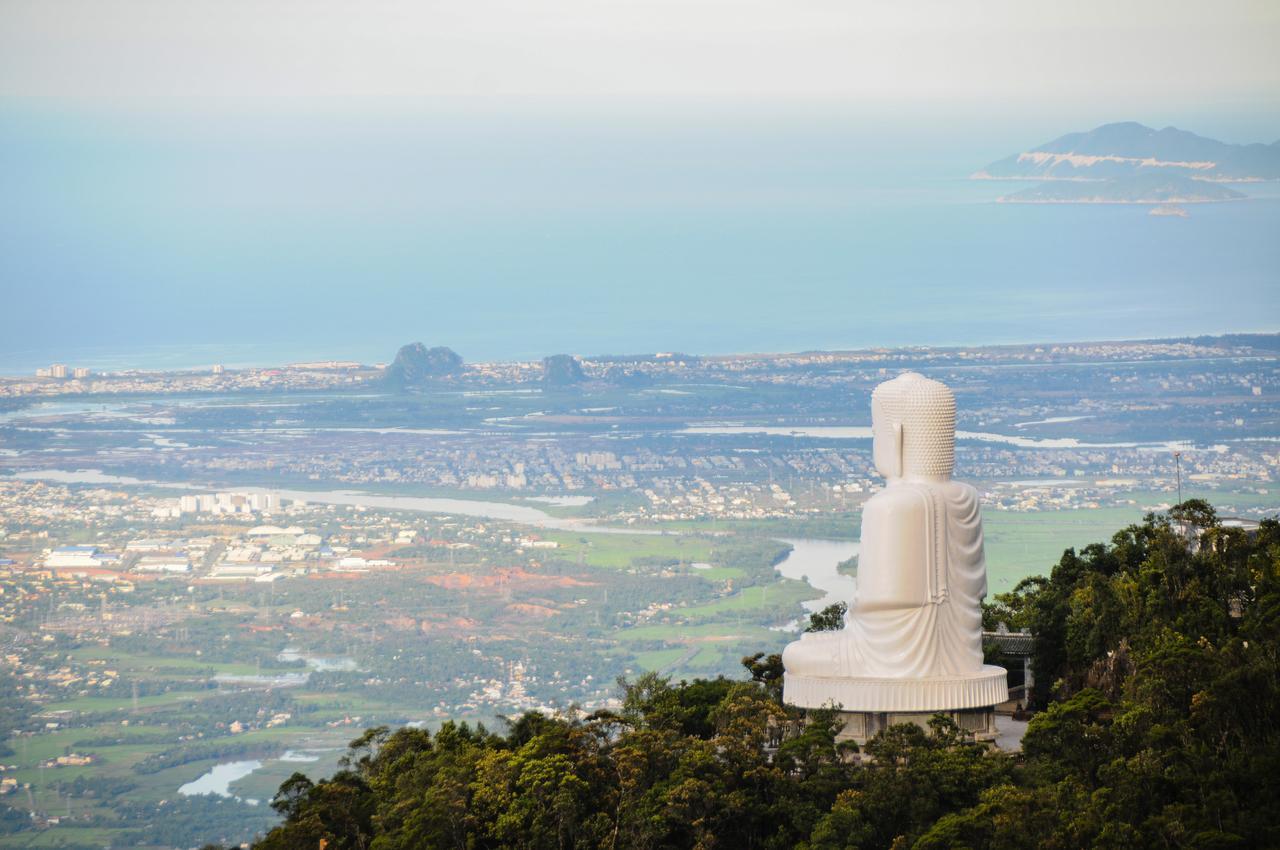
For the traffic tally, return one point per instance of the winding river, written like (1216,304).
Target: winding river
(814,562)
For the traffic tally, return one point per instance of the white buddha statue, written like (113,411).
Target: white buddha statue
(912,639)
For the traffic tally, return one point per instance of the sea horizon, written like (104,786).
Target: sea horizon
(200,356)
(161,236)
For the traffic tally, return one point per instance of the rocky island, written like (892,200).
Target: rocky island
(1129,163)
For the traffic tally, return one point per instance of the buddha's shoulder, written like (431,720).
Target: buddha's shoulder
(908,493)
(904,495)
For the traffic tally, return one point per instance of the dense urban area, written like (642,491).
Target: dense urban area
(212,578)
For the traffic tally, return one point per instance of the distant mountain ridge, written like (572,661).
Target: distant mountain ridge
(1128,149)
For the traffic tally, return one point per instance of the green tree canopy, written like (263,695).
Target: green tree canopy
(1160,656)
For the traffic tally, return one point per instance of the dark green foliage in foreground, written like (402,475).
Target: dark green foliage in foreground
(1159,669)
(676,767)
(1158,731)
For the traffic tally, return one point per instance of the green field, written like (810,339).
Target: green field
(713,627)
(148,666)
(746,634)
(98,704)
(836,526)
(618,551)
(660,659)
(117,760)
(63,836)
(781,596)
(720,573)
(1026,544)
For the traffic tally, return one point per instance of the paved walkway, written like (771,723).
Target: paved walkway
(1009,733)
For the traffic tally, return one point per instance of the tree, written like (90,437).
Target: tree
(1013,608)
(767,670)
(1196,513)
(829,619)
(1159,732)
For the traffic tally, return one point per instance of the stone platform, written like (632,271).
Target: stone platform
(862,726)
(983,689)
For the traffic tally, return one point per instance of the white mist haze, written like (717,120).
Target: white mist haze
(880,50)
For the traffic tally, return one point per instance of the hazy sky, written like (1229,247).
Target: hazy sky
(1003,49)
(317,178)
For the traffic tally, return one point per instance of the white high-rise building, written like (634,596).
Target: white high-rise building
(265,502)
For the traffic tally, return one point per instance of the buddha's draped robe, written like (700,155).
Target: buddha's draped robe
(942,635)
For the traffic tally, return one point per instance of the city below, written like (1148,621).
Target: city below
(208,577)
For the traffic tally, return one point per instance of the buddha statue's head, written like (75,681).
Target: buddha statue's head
(913,423)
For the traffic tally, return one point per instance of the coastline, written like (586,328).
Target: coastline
(1095,201)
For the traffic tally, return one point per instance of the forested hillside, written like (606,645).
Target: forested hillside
(1157,659)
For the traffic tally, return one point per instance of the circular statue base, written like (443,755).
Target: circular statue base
(861,726)
(983,689)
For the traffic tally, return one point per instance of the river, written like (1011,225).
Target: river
(522,514)
(218,779)
(863,432)
(814,562)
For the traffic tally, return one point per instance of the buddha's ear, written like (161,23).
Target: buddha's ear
(897,450)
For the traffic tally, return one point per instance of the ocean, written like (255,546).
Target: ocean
(136,236)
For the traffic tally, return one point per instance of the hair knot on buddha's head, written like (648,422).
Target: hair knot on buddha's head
(923,412)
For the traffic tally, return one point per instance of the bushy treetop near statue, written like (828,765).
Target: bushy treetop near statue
(829,619)
(416,364)
(1161,650)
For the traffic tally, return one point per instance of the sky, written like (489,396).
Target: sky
(887,50)
(292,179)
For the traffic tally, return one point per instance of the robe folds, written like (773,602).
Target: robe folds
(943,635)
(917,610)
